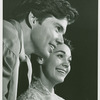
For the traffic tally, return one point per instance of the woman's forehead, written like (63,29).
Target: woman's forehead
(62,47)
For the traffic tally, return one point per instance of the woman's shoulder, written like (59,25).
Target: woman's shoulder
(30,94)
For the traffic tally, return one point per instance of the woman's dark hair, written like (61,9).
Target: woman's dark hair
(68,43)
(45,8)
(36,65)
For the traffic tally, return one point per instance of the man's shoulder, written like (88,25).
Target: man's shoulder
(10,37)
(9,30)
(59,98)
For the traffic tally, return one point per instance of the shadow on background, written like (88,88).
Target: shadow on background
(81,83)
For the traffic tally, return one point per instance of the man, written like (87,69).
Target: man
(37,27)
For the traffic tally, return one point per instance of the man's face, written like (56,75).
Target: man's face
(57,66)
(48,35)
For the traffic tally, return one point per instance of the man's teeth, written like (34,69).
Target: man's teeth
(52,46)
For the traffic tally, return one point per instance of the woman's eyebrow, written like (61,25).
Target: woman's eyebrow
(60,51)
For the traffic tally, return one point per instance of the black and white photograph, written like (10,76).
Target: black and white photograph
(50,50)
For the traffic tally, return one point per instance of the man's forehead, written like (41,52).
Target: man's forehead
(53,19)
(63,22)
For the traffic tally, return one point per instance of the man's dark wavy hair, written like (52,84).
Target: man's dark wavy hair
(45,8)
(35,64)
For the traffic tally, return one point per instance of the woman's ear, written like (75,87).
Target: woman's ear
(32,19)
(40,60)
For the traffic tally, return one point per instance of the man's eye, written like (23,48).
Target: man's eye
(60,56)
(58,29)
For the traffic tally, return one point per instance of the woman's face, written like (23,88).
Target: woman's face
(57,66)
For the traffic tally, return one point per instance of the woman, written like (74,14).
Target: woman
(52,72)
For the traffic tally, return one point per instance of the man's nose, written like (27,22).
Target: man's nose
(60,39)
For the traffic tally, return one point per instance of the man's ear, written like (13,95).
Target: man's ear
(32,19)
(40,60)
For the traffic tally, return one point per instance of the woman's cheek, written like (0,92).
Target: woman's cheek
(58,61)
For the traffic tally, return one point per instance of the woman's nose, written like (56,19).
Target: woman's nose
(65,65)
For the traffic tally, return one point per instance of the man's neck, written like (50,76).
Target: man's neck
(27,38)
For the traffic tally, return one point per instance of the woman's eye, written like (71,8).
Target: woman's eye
(69,61)
(60,56)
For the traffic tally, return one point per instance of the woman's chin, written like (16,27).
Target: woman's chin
(61,80)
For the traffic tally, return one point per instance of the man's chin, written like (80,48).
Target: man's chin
(46,55)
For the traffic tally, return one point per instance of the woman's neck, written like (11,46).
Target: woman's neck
(47,83)
(47,87)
